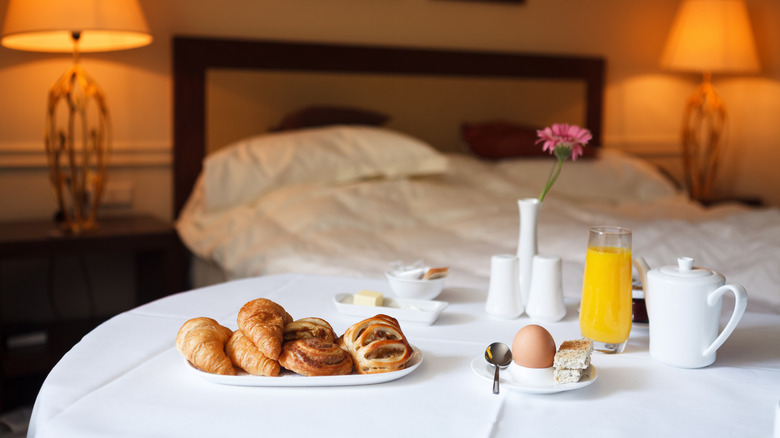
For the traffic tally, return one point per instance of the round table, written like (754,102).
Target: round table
(126,378)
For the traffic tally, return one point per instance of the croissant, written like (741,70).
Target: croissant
(315,357)
(305,328)
(377,345)
(263,321)
(245,354)
(202,341)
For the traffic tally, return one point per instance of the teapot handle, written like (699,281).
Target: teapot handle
(740,303)
(642,268)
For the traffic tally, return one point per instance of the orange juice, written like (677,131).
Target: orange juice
(605,311)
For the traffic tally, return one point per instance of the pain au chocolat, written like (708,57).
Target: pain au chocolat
(311,327)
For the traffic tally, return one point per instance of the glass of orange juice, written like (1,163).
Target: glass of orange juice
(605,310)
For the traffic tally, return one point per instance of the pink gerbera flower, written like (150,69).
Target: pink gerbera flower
(562,140)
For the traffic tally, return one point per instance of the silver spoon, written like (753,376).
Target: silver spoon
(500,356)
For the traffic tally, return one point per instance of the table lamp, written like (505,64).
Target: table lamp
(77,135)
(708,36)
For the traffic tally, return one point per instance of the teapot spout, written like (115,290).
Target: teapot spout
(642,268)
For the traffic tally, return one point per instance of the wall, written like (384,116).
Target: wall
(643,104)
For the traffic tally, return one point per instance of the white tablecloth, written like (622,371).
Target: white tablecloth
(126,378)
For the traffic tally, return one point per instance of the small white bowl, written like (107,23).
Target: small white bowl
(414,288)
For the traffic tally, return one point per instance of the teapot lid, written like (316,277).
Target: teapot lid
(685,269)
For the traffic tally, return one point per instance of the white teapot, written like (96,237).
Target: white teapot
(684,308)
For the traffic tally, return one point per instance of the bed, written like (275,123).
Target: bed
(343,160)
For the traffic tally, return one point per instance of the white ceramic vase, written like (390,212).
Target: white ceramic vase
(526,245)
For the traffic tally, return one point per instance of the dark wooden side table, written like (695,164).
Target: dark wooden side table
(747,201)
(160,270)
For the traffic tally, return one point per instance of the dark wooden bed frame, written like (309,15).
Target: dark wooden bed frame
(192,57)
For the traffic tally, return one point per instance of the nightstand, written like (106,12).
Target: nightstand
(159,270)
(749,202)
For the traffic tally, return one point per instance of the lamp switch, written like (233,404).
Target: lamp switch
(118,194)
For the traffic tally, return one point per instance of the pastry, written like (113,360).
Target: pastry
(315,357)
(572,360)
(434,273)
(305,328)
(245,355)
(263,321)
(377,345)
(202,341)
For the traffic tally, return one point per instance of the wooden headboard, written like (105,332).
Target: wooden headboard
(193,57)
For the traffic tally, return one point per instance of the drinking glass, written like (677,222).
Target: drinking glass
(605,310)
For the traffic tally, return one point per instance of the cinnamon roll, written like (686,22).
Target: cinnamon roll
(315,357)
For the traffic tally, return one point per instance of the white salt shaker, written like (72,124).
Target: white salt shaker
(545,300)
(503,300)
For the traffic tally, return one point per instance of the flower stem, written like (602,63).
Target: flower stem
(554,172)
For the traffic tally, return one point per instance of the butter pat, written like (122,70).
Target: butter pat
(368,298)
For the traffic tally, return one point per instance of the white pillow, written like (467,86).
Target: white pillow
(614,178)
(241,172)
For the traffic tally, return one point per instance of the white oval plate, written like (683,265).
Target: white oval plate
(288,378)
(404,310)
(483,369)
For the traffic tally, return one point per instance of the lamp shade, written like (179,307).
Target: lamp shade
(711,36)
(49,25)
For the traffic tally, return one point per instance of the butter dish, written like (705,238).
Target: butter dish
(404,310)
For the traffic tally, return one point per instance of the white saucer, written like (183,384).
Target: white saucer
(483,369)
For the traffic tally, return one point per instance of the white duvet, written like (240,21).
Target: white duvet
(462,216)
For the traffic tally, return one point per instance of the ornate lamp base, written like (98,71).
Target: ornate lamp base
(703,125)
(78,135)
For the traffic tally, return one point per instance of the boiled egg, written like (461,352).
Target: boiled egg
(533,347)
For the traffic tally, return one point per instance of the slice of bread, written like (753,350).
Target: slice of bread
(570,376)
(574,354)
(566,376)
(572,360)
